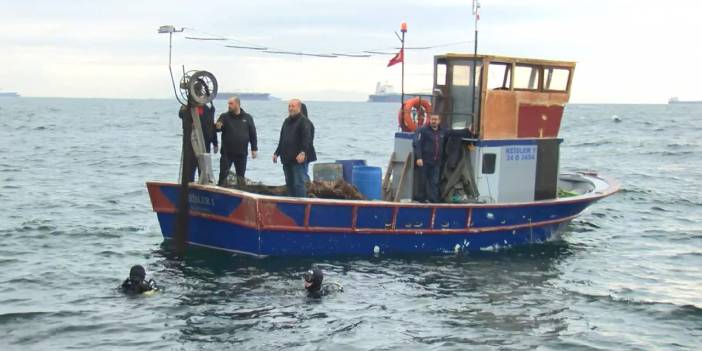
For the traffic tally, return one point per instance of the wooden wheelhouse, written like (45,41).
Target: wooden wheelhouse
(513,98)
(515,105)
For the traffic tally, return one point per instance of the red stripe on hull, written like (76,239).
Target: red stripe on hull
(269,214)
(334,230)
(159,202)
(246,212)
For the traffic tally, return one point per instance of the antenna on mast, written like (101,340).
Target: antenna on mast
(170,30)
(476,16)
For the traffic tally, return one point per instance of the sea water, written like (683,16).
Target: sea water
(75,215)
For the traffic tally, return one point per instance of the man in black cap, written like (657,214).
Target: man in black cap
(136,283)
(238,131)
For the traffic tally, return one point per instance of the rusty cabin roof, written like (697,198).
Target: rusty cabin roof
(509,59)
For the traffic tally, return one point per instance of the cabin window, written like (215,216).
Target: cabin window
(489,163)
(526,77)
(462,75)
(556,79)
(465,97)
(499,76)
(441,74)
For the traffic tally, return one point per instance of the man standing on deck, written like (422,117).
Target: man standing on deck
(429,153)
(238,131)
(206,114)
(295,139)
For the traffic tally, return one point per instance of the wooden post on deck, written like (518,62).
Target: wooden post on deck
(387,185)
(198,142)
(405,168)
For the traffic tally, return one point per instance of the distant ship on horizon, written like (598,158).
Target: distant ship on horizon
(9,94)
(248,96)
(675,100)
(384,93)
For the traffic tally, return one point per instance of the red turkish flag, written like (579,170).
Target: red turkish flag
(399,57)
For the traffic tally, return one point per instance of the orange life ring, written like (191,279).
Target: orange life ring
(423,108)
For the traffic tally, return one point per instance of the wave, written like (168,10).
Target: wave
(592,143)
(625,190)
(678,145)
(21,280)
(251,313)
(110,253)
(35,225)
(588,224)
(14,316)
(670,308)
(687,254)
(43,230)
(665,202)
(669,153)
(345,328)
(8,260)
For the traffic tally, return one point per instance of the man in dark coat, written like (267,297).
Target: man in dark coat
(311,153)
(428,145)
(206,114)
(295,140)
(238,131)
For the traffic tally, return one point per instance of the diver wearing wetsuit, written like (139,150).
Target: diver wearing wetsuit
(136,283)
(313,284)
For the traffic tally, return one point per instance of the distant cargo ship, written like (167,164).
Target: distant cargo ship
(675,100)
(248,96)
(9,94)
(385,93)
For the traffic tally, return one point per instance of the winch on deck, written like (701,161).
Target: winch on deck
(515,105)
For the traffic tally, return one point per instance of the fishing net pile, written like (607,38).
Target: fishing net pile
(339,190)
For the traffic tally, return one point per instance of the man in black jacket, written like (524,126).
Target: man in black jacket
(295,140)
(429,154)
(238,131)
(206,114)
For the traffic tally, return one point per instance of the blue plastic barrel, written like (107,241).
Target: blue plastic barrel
(367,180)
(348,167)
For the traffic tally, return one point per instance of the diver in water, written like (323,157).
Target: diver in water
(313,284)
(136,283)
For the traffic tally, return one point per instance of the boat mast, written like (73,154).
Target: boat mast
(476,17)
(403,29)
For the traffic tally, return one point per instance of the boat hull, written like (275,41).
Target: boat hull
(258,225)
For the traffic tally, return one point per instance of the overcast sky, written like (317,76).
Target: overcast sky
(627,51)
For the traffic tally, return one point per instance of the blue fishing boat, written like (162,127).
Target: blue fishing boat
(505,188)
